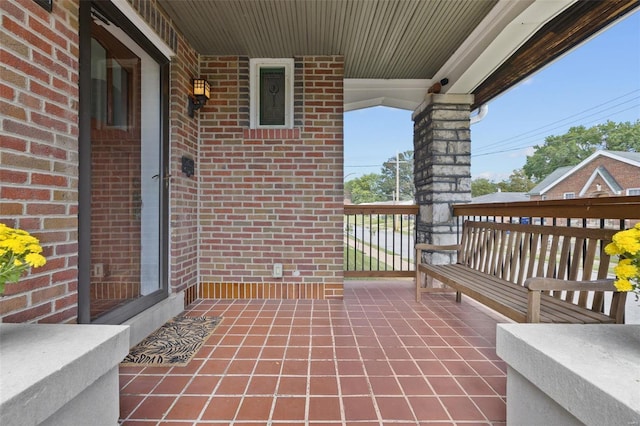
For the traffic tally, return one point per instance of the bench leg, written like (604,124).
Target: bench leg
(458,297)
(533,306)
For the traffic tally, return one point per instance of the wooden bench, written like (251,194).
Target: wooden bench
(529,273)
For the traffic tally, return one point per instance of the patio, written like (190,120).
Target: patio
(378,357)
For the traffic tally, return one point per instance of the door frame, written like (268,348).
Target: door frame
(119,315)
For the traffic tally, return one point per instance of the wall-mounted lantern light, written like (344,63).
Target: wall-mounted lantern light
(201,94)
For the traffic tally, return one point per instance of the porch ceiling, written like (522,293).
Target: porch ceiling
(393,50)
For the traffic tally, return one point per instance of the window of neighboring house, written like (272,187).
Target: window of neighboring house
(633,191)
(569,195)
(271,91)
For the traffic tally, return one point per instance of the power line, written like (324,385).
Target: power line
(532,133)
(484,154)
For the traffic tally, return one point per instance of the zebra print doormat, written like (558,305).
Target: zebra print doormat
(173,344)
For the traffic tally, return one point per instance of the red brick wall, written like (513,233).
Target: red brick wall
(626,175)
(271,196)
(39,153)
(183,220)
(256,198)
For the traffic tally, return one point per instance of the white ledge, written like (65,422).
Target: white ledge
(571,373)
(54,373)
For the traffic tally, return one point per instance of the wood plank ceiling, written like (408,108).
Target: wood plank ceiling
(396,48)
(380,39)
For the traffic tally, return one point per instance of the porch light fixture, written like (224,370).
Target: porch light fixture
(200,96)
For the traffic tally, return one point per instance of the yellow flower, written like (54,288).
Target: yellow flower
(18,251)
(623,285)
(626,269)
(612,249)
(34,259)
(628,241)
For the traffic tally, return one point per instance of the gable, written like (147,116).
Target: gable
(604,175)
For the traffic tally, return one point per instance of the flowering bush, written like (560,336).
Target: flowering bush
(18,251)
(626,244)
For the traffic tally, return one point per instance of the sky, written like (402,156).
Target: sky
(595,82)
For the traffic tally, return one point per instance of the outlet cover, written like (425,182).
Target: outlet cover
(277,270)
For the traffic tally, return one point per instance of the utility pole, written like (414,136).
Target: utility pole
(396,197)
(397,177)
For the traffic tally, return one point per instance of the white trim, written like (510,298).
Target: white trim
(633,189)
(404,94)
(501,33)
(142,25)
(595,173)
(254,78)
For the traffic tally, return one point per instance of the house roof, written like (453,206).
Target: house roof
(633,157)
(501,197)
(561,173)
(395,50)
(549,180)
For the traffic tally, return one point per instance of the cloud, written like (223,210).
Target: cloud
(491,176)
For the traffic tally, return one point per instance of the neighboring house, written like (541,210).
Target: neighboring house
(602,174)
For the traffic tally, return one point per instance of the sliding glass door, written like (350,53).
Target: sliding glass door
(122,154)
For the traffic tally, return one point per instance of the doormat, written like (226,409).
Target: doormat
(173,344)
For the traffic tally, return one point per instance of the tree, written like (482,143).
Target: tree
(578,143)
(406,182)
(517,182)
(482,186)
(365,189)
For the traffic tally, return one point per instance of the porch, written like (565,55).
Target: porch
(376,357)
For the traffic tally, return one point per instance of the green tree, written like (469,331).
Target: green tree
(404,162)
(518,182)
(365,189)
(578,143)
(482,186)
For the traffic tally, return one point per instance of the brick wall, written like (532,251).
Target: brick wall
(257,197)
(39,153)
(183,191)
(272,196)
(627,176)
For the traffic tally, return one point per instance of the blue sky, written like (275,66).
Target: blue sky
(596,82)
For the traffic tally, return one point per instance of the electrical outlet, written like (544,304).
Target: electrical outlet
(277,270)
(98,270)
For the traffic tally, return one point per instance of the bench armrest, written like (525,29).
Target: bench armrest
(436,247)
(536,285)
(550,284)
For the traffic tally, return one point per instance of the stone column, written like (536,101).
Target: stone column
(442,167)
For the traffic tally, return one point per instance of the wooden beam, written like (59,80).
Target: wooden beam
(572,27)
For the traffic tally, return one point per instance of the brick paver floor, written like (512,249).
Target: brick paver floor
(375,358)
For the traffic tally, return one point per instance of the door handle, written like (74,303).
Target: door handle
(166,178)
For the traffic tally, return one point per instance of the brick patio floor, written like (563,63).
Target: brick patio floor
(375,358)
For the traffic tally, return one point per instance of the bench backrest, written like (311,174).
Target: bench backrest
(515,252)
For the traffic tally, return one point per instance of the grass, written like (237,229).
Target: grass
(358,261)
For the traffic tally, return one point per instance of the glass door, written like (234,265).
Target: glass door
(125,175)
